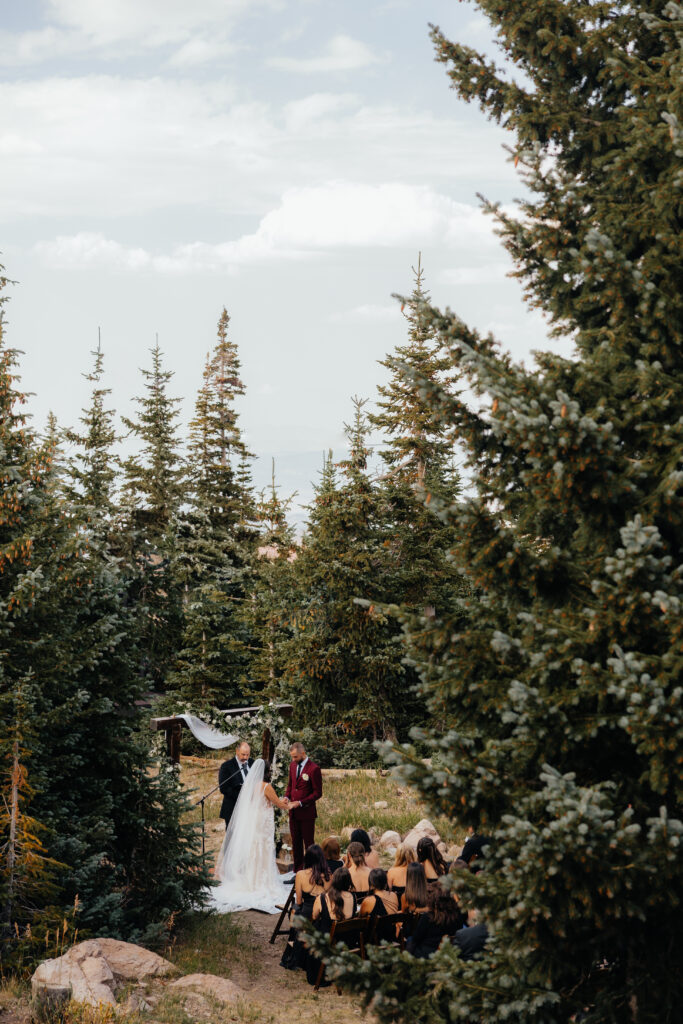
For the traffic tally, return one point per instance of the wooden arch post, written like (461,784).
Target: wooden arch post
(173,728)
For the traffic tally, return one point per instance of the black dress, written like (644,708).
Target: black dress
(295,953)
(378,911)
(427,935)
(399,890)
(322,924)
(334,864)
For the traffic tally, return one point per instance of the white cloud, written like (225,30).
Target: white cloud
(15,145)
(343,53)
(112,28)
(91,249)
(308,112)
(338,215)
(198,51)
(368,312)
(475,275)
(113,146)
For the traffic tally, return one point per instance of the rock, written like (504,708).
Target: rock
(219,828)
(453,852)
(220,988)
(381,804)
(135,1003)
(372,833)
(391,851)
(91,971)
(423,828)
(442,848)
(346,833)
(389,840)
(133,963)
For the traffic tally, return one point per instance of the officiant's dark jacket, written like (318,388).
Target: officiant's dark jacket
(231,780)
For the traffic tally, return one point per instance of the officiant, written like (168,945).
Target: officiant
(232,775)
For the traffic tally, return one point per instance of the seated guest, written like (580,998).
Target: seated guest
(443,917)
(471,941)
(430,858)
(313,879)
(414,899)
(396,875)
(359,835)
(358,869)
(380,902)
(473,849)
(337,904)
(332,852)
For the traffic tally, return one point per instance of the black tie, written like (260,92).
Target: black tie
(244,769)
(298,770)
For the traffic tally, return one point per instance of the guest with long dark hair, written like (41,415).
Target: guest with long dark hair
(414,899)
(313,879)
(443,918)
(430,858)
(337,904)
(380,902)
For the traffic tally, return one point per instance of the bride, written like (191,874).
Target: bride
(249,877)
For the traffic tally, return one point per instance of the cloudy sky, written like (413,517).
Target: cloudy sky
(284,158)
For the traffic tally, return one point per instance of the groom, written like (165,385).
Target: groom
(232,775)
(305,786)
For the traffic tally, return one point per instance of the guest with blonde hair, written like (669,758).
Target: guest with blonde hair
(396,875)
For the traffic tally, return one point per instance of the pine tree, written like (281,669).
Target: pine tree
(153,478)
(562,695)
(153,490)
(92,470)
(216,539)
(68,639)
(265,609)
(418,456)
(343,670)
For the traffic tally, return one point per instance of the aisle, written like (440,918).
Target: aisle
(285,996)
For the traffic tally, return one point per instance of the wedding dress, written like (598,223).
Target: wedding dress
(249,877)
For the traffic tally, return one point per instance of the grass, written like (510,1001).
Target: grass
(348,801)
(206,943)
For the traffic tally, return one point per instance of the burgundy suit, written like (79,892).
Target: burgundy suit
(302,819)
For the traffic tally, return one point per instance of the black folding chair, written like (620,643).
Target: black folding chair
(279,930)
(341,931)
(389,929)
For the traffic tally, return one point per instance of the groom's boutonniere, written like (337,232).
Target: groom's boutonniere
(304,776)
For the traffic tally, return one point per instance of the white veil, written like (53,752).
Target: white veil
(246,865)
(235,853)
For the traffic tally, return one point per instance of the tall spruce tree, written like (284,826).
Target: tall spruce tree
(266,608)
(563,693)
(68,641)
(152,493)
(343,668)
(216,539)
(153,478)
(419,473)
(93,466)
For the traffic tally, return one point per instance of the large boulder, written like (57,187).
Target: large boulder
(422,829)
(389,841)
(223,989)
(92,971)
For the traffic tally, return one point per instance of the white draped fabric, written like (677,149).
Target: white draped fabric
(206,734)
(246,866)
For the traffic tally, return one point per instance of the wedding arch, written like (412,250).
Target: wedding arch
(264,721)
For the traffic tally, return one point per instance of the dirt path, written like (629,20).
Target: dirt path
(284,996)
